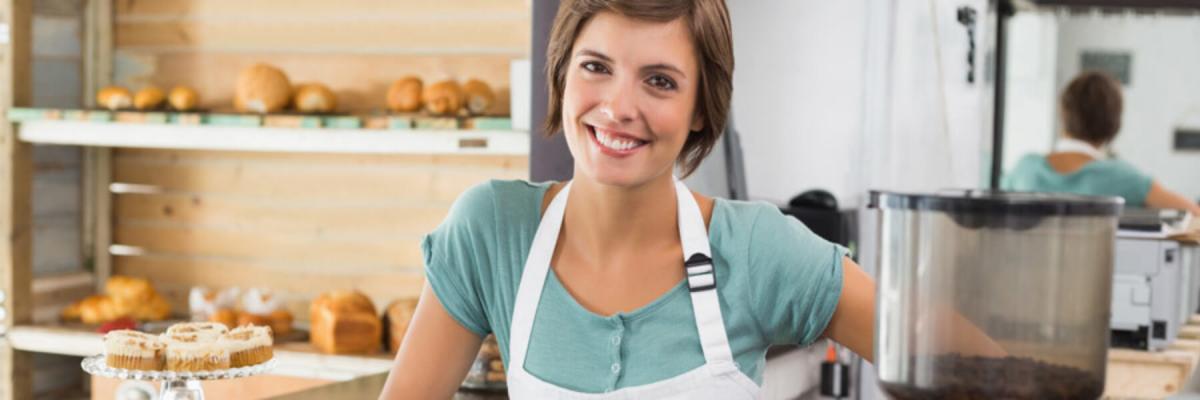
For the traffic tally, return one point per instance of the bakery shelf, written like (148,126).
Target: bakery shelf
(270,139)
(296,359)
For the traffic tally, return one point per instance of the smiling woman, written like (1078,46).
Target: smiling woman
(635,286)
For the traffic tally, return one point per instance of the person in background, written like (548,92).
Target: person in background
(1091,107)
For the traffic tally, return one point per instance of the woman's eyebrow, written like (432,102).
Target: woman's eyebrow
(593,53)
(663,67)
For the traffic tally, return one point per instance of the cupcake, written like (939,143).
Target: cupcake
(195,352)
(128,349)
(247,345)
(209,330)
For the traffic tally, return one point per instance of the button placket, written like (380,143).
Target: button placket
(615,352)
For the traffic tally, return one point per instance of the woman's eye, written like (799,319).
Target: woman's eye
(661,82)
(592,66)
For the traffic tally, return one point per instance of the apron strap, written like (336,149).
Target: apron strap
(533,279)
(702,279)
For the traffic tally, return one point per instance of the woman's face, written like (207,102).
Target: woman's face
(629,99)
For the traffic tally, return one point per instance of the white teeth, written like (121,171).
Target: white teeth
(614,143)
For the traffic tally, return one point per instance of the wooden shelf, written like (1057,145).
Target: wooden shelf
(264,139)
(296,359)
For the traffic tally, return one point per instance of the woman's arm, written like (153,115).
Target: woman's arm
(853,323)
(434,356)
(1161,197)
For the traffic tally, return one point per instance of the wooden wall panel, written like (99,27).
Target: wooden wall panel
(356,47)
(301,224)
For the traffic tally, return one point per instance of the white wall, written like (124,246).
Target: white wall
(1164,89)
(1030,113)
(845,96)
(797,93)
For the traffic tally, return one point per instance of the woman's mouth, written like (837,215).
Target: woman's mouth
(615,144)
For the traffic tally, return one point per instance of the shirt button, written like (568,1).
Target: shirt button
(616,340)
(616,368)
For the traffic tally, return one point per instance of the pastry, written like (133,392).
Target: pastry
(314,98)
(208,330)
(225,316)
(127,349)
(183,98)
(281,323)
(148,98)
(262,89)
(478,96)
(405,95)
(194,351)
(247,345)
(443,98)
(114,98)
(245,319)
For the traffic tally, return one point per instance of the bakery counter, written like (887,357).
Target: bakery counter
(369,387)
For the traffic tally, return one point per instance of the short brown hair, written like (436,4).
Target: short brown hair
(708,21)
(1091,106)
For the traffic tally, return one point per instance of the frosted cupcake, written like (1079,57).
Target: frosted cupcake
(128,349)
(194,352)
(248,345)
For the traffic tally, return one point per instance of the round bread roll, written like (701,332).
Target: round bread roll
(148,98)
(405,95)
(262,89)
(183,98)
(114,97)
(225,316)
(443,98)
(479,96)
(281,322)
(314,98)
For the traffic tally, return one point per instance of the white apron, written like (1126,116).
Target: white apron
(718,378)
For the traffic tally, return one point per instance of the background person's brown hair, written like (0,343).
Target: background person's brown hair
(708,22)
(1091,107)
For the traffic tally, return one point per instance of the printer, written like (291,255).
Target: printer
(1156,281)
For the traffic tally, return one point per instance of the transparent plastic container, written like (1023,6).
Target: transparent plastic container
(993,295)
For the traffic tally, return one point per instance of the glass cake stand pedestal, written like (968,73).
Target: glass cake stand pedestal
(176,385)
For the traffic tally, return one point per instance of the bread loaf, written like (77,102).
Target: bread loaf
(345,322)
(479,97)
(405,95)
(114,97)
(183,98)
(399,314)
(443,98)
(314,98)
(262,89)
(148,98)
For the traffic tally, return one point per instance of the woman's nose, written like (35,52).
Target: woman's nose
(621,105)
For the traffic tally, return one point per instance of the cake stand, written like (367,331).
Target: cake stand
(176,385)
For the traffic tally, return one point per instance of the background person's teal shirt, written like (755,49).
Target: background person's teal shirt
(1099,178)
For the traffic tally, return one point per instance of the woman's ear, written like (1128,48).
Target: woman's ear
(697,122)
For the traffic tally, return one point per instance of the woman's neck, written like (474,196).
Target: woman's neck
(607,223)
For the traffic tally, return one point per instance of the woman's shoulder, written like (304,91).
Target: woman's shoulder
(497,202)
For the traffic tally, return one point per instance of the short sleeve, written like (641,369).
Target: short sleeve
(795,280)
(452,262)
(1134,185)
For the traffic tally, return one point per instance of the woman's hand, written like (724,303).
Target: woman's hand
(1161,197)
(434,356)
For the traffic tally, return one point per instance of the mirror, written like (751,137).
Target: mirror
(1151,53)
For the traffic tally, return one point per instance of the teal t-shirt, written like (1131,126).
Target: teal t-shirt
(777,283)
(1099,178)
